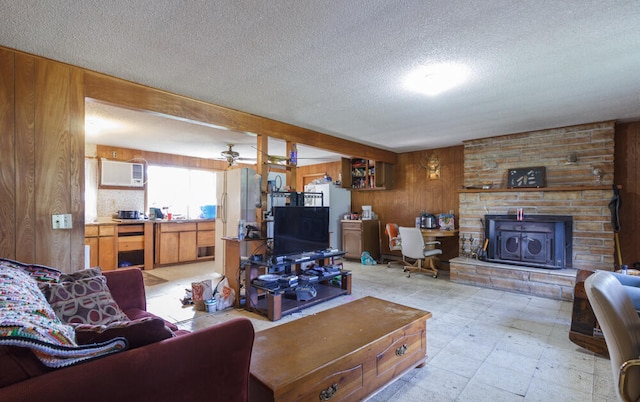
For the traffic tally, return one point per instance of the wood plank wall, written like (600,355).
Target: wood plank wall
(7,151)
(412,191)
(627,175)
(158,158)
(42,160)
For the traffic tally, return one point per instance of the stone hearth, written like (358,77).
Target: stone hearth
(554,284)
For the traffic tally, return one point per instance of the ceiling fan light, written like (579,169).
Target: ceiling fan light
(230,153)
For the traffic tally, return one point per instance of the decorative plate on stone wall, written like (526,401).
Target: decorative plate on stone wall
(526,177)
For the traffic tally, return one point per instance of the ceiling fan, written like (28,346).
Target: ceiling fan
(230,155)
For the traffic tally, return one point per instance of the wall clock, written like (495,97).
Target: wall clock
(526,177)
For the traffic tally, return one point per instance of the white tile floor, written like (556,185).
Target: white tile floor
(482,344)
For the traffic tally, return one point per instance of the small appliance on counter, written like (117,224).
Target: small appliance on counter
(124,214)
(155,213)
(367,213)
(428,221)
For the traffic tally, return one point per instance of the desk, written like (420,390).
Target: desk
(431,235)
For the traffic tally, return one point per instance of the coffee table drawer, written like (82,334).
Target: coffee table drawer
(405,348)
(334,383)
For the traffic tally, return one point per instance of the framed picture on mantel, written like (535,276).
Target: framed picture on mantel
(526,177)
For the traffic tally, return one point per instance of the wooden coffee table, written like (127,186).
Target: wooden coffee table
(345,353)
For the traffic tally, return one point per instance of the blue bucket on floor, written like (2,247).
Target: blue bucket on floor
(208,211)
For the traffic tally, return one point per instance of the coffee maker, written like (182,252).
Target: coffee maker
(428,221)
(367,213)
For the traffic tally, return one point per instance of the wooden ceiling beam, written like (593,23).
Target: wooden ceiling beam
(127,94)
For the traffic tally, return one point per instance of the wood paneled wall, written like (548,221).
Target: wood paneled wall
(627,175)
(8,176)
(158,158)
(42,163)
(307,174)
(412,191)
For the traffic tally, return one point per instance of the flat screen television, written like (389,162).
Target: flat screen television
(299,229)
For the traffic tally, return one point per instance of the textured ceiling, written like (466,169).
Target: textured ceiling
(337,66)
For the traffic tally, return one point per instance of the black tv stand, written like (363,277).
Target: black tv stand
(273,303)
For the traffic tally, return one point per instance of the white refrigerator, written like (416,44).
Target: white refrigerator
(338,200)
(238,197)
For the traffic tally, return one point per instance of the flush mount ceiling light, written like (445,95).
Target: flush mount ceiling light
(96,125)
(437,78)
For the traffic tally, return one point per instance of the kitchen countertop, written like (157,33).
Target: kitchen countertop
(183,220)
(112,221)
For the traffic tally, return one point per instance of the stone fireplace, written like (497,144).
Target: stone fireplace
(543,241)
(528,263)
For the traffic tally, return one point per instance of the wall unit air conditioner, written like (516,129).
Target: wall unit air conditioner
(121,174)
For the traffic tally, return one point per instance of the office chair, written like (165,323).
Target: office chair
(391,230)
(620,326)
(413,247)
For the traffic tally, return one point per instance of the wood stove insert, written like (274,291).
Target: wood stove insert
(543,241)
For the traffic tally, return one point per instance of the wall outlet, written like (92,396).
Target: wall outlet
(61,221)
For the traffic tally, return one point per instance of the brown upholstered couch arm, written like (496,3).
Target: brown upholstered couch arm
(127,288)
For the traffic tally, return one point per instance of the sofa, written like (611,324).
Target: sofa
(211,364)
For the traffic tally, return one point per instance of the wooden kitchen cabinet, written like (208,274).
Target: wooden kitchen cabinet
(186,241)
(135,245)
(103,243)
(359,236)
(167,248)
(206,240)
(188,250)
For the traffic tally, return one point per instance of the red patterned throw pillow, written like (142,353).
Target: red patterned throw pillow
(84,301)
(82,274)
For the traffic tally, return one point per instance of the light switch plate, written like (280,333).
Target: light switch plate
(61,221)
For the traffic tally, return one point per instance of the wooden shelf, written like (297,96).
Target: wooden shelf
(529,189)
(288,306)
(274,304)
(359,174)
